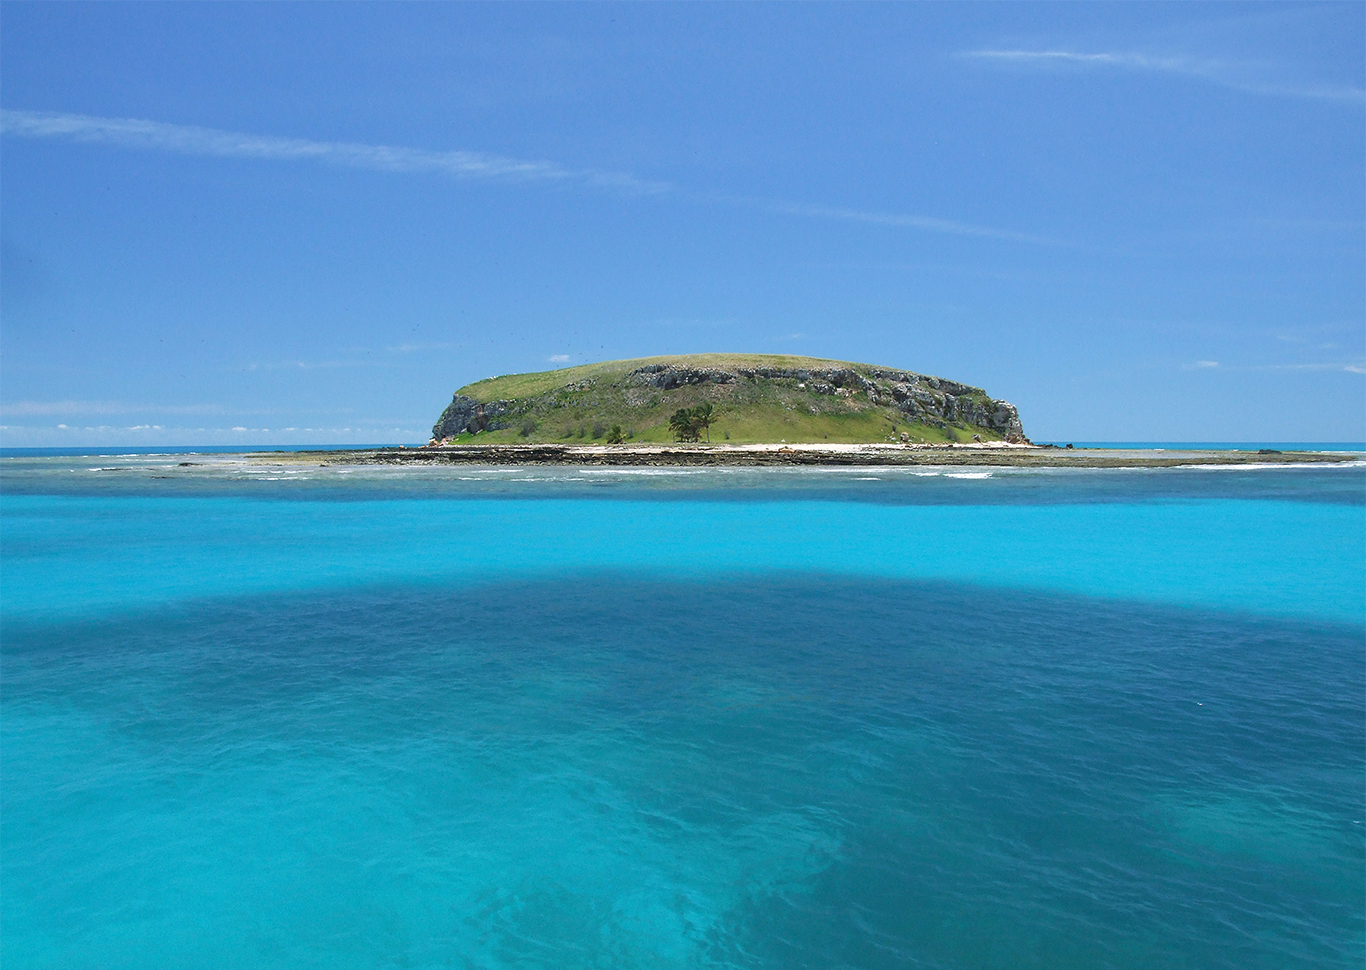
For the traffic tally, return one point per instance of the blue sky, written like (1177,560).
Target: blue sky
(310,223)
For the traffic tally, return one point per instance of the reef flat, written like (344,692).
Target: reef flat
(998,454)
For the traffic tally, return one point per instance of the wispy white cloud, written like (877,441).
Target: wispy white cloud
(1240,76)
(929,223)
(115,436)
(68,408)
(414,348)
(1348,367)
(58,408)
(315,364)
(194,140)
(558,358)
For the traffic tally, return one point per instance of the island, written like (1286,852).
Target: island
(740,398)
(750,409)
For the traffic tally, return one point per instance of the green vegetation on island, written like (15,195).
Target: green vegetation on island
(739,398)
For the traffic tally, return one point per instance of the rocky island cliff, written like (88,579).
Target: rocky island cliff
(744,397)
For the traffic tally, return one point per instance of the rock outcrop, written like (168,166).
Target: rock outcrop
(465,414)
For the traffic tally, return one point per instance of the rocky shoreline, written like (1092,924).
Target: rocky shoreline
(797,455)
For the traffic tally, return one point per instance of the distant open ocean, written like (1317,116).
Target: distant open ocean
(290,717)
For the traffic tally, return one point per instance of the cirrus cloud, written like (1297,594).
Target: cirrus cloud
(1240,76)
(141,133)
(195,140)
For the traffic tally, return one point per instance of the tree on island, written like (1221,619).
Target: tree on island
(687,424)
(684,427)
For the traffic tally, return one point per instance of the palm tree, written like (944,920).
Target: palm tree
(704,413)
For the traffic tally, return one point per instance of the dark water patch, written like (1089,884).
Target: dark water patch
(793,771)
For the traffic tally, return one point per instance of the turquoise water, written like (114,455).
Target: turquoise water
(259,715)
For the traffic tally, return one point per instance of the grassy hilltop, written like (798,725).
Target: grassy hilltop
(757,398)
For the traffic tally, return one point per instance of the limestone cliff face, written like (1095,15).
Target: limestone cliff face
(917,398)
(466,414)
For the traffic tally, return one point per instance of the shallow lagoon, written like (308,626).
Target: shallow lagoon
(758,718)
